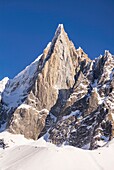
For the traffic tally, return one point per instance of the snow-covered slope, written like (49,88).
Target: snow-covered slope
(3,83)
(17,88)
(25,154)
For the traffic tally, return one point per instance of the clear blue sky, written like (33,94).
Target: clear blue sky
(26,26)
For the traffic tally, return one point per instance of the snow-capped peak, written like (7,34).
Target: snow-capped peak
(106,52)
(59,30)
(60,26)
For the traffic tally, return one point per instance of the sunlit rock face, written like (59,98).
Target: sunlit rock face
(64,95)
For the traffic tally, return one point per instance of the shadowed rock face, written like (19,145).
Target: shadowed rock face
(88,113)
(63,93)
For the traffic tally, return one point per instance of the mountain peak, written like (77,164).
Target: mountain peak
(64,91)
(107,53)
(59,31)
(60,28)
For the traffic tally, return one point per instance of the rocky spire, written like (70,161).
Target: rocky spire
(47,89)
(59,30)
(65,91)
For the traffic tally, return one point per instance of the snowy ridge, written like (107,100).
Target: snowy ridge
(16,89)
(3,83)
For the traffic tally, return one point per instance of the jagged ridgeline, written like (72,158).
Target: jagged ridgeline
(62,95)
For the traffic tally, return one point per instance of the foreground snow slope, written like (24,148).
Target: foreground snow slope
(25,154)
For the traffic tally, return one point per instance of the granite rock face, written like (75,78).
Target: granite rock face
(64,95)
(88,120)
(28,121)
